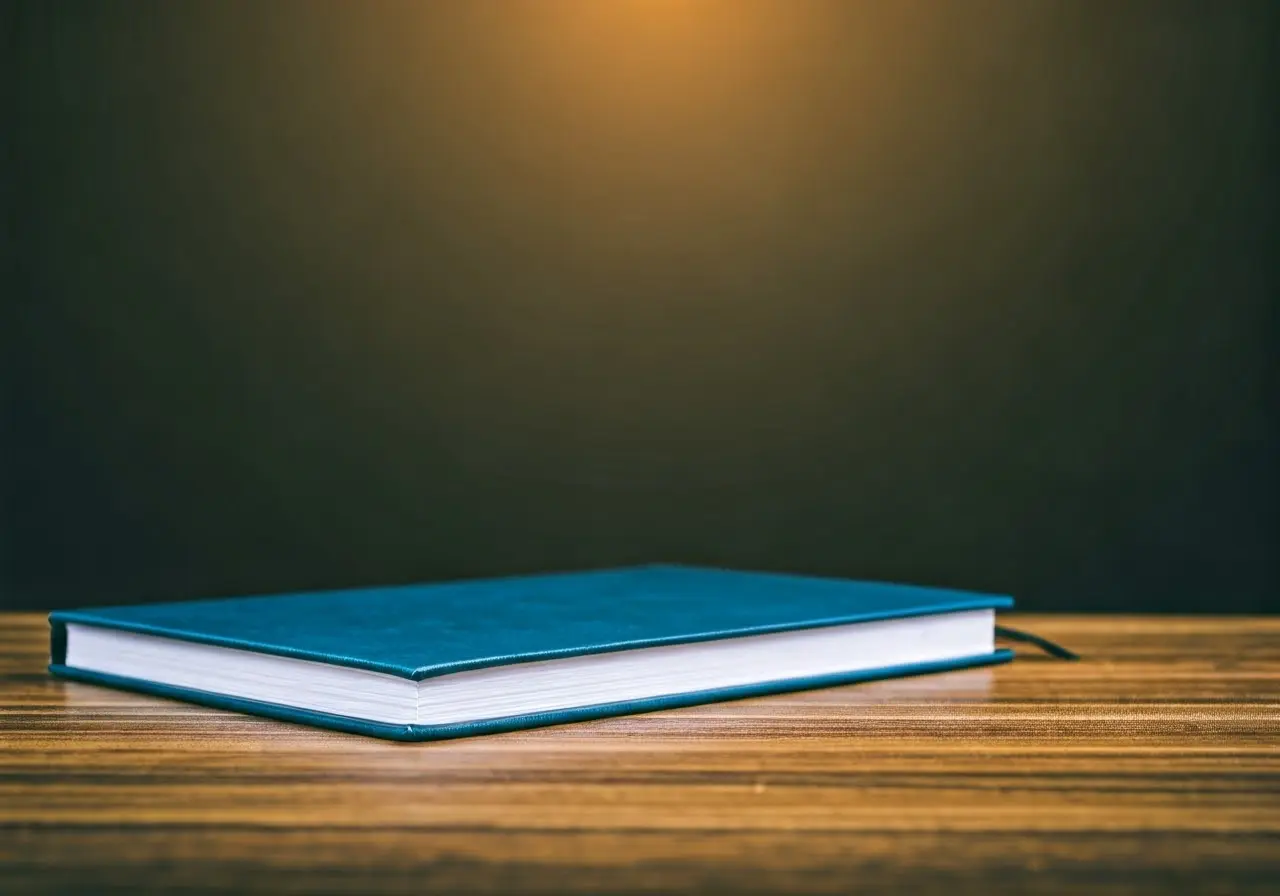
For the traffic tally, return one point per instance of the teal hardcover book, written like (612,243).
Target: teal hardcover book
(434,661)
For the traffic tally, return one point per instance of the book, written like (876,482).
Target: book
(443,660)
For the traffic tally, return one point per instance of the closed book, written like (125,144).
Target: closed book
(442,660)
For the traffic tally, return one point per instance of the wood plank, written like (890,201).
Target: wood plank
(1152,765)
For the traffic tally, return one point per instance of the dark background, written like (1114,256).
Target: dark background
(311,294)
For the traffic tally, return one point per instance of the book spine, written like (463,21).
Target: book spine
(57,642)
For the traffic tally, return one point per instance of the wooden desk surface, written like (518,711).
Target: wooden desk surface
(1153,765)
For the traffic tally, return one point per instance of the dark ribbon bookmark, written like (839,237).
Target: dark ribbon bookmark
(1013,634)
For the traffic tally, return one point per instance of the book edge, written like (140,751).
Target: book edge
(420,733)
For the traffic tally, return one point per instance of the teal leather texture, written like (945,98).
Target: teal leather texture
(515,723)
(421,631)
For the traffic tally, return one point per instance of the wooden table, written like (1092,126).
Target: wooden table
(1152,765)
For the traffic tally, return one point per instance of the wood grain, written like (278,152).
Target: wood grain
(1153,765)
